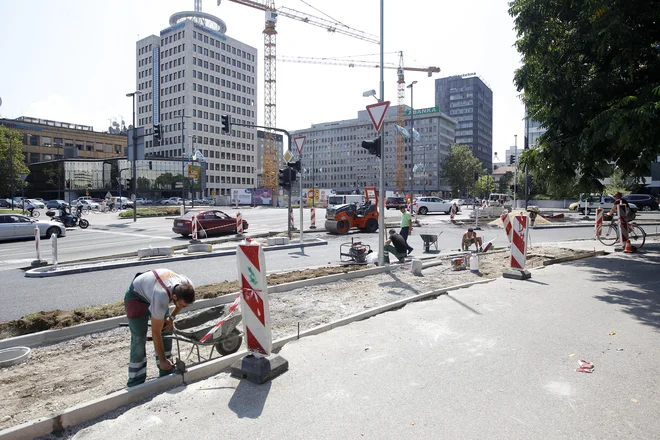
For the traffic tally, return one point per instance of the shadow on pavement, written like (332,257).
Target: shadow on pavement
(404,288)
(633,282)
(249,399)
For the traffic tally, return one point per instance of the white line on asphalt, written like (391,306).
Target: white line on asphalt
(132,234)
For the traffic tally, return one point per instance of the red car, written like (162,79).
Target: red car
(210,222)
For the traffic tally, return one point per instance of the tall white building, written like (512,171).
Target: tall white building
(334,156)
(190,75)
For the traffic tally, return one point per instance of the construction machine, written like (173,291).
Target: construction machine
(342,218)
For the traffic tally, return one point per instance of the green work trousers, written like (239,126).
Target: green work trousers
(400,255)
(138,315)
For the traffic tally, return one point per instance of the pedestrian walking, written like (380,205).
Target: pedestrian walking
(149,296)
(406,227)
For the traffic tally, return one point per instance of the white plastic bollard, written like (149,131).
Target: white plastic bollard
(37,239)
(254,296)
(53,248)
(239,223)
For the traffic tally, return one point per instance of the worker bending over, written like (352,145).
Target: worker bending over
(397,246)
(471,238)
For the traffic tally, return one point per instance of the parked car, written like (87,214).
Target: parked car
(645,202)
(5,203)
(87,204)
(39,199)
(211,222)
(432,204)
(172,201)
(56,204)
(14,226)
(36,203)
(603,201)
(395,202)
(573,206)
(122,202)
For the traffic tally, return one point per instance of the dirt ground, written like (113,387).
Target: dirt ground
(62,375)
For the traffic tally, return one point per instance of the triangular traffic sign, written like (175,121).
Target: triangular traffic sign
(300,143)
(377,113)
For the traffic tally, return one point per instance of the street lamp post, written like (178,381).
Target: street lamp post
(183,155)
(135,150)
(412,140)
(11,163)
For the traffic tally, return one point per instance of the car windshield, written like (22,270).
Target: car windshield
(190,214)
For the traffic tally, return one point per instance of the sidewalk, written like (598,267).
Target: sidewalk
(491,361)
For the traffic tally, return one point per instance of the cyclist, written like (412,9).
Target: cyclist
(30,208)
(620,201)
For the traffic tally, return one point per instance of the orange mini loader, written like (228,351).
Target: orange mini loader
(340,219)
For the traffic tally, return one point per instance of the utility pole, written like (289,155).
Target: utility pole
(412,142)
(135,153)
(515,178)
(381,198)
(11,162)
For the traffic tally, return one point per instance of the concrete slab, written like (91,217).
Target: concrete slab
(259,369)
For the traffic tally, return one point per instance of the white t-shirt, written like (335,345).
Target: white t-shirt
(147,287)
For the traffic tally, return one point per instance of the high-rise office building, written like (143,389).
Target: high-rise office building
(334,157)
(468,100)
(188,76)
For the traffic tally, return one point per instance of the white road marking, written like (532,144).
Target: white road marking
(132,234)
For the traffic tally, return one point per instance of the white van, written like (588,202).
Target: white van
(343,199)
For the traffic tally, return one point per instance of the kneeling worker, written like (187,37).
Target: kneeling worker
(400,248)
(471,238)
(150,295)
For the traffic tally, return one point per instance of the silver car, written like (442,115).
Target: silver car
(14,226)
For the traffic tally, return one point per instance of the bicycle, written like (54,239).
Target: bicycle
(34,213)
(610,234)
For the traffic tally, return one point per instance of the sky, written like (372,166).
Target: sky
(74,60)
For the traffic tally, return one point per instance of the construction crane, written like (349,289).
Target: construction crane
(400,175)
(270,160)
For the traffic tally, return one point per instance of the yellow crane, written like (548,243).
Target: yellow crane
(400,175)
(270,161)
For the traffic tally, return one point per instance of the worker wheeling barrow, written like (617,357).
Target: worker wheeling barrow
(364,217)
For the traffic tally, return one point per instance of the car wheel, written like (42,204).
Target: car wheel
(422,211)
(53,230)
(646,208)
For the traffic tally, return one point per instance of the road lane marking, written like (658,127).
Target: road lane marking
(132,234)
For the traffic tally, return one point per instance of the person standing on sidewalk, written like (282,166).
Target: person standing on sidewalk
(149,296)
(406,227)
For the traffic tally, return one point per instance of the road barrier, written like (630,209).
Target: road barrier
(313,226)
(599,222)
(452,212)
(239,223)
(194,227)
(519,242)
(506,221)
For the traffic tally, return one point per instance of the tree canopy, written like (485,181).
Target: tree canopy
(11,154)
(591,76)
(459,168)
(485,185)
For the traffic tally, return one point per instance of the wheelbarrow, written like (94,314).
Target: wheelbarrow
(430,239)
(227,339)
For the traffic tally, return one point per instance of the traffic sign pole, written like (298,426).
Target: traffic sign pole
(300,143)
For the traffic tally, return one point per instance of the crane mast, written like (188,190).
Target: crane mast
(400,176)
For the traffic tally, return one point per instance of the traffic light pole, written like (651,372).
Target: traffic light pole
(302,249)
(381,198)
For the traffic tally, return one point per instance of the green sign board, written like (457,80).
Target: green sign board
(424,111)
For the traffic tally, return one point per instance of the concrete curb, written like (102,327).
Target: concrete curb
(53,336)
(96,408)
(45,272)
(573,258)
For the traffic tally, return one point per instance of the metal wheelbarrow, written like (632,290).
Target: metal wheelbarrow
(226,340)
(430,239)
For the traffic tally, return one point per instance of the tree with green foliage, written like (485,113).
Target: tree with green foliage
(485,185)
(505,181)
(11,153)
(459,168)
(619,183)
(590,75)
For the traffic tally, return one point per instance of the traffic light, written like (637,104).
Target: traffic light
(68,184)
(295,165)
(373,146)
(129,183)
(282,177)
(157,132)
(150,165)
(512,159)
(226,125)
(293,175)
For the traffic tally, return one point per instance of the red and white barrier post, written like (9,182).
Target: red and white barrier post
(519,240)
(598,228)
(452,212)
(194,229)
(313,219)
(506,222)
(260,365)
(293,225)
(53,248)
(239,223)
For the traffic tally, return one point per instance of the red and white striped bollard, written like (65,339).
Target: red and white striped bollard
(293,225)
(239,223)
(519,238)
(506,221)
(599,222)
(194,227)
(313,219)
(452,212)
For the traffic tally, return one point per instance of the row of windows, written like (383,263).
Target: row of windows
(144,49)
(174,37)
(144,62)
(145,85)
(144,97)
(173,51)
(225,71)
(461,103)
(227,60)
(461,111)
(217,81)
(46,141)
(172,64)
(227,47)
(144,73)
